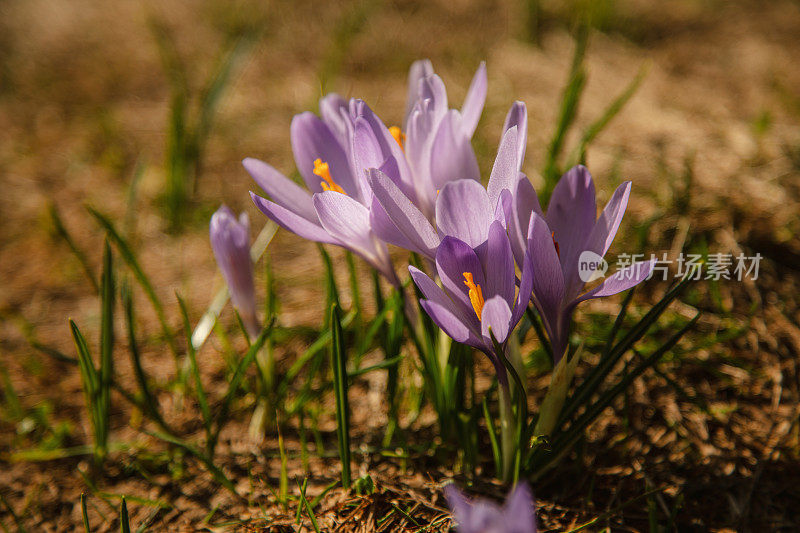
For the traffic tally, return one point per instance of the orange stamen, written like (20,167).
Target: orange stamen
(322,170)
(555,243)
(475,294)
(398,135)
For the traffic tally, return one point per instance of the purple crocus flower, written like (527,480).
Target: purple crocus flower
(518,515)
(464,209)
(333,154)
(560,241)
(230,240)
(478,297)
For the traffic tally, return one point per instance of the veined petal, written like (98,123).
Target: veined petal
(452,156)
(548,280)
(293,222)
(431,291)
(419,69)
(525,202)
(386,230)
(463,211)
(571,215)
(432,88)
(497,316)
(281,189)
(450,324)
(525,289)
(499,265)
(605,229)
(347,220)
(367,154)
(505,172)
(405,217)
(621,280)
(472,107)
(312,139)
(330,108)
(518,116)
(453,259)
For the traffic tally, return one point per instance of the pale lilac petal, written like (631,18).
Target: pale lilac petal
(472,107)
(571,214)
(499,265)
(463,211)
(548,280)
(525,202)
(347,220)
(520,511)
(518,117)
(432,88)
(230,241)
(406,218)
(605,229)
(525,289)
(621,280)
(281,189)
(453,259)
(366,153)
(505,172)
(312,139)
(385,229)
(431,291)
(452,157)
(419,69)
(330,108)
(496,315)
(444,317)
(457,502)
(292,221)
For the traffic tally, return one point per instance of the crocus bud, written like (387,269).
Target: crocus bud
(230,239)
(518,515)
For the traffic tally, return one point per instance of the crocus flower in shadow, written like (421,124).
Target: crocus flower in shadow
(518,515)
(230,240)
(561,240)
(478,299)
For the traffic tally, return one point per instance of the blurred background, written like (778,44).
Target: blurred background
(144,110)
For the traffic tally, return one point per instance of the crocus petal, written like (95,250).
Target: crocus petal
(463,211)
(498,265)
(281,189)
(347,220)
(293,222)
(444,317)
(385,229)
(366,153)
(472,107)
(330,108)
(431,291)
(406,218)
(605,229)
(453,258)
(312,139)
(518,117)
(505,172)
(457,502)
(525,202)
(520,511)
(525,289)
(548,280)
(452,156)
(571,215)
(496,316)
(622,280)
(432,88)
(419,69)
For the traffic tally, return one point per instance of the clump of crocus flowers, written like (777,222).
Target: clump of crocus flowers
(518,515)
(486,253)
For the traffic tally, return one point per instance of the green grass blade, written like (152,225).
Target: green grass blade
(91,384)
(61,230)
(304,503)
(579,153)
(570,100)
(338,363)
(149,399)
(85,514)
(191,352)
(130,258)
(108,293)
(124,521)
(492,436)
(331,292)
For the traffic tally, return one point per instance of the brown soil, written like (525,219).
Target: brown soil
(83,99)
